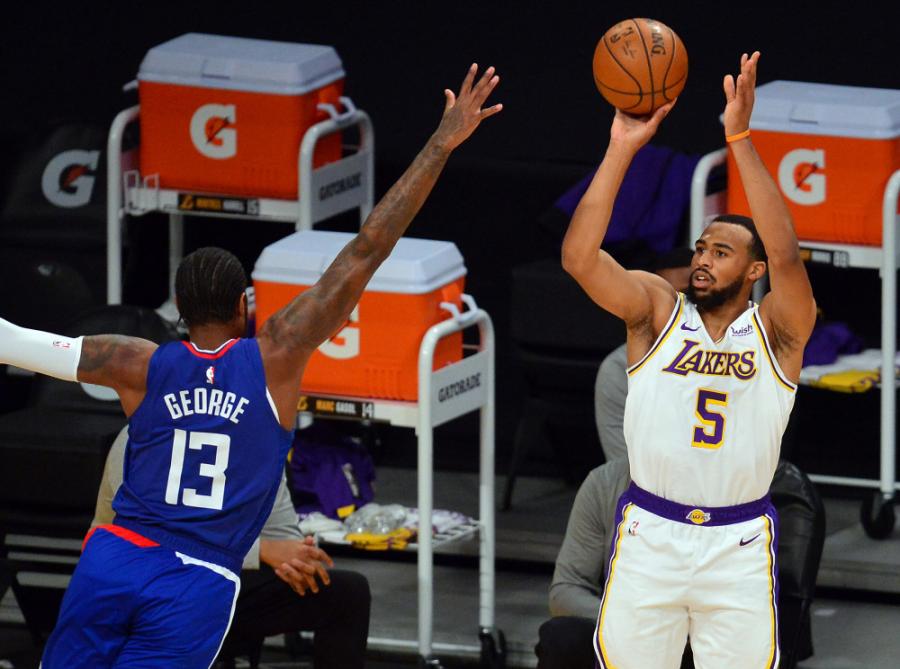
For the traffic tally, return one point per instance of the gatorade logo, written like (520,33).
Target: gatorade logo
(213,132)
(68,179)
(801,176)
(350,336)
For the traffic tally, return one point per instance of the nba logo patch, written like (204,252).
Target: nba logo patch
(211,374)
(698,517)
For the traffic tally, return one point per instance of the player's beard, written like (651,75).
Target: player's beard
(713,299)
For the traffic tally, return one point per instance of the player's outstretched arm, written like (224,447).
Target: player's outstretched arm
(115,361)
(638,298)
(291,335)
(789,310)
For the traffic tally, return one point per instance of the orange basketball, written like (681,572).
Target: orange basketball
(640,65)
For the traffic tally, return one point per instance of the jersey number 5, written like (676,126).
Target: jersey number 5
(215,471)
(710,433)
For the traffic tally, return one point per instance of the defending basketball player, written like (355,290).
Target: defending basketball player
(712,378)
(210,424)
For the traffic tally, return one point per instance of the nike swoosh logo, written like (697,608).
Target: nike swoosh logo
(685,327)
(749,541)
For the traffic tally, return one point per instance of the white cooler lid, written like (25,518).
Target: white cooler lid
(825,109)
(415,266)
(238,63)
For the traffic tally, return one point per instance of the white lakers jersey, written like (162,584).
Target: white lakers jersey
(704,419)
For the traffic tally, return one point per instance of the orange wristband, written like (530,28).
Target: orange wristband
(739,136)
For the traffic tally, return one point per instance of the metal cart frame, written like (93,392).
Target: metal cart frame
(444,395)
(130,193)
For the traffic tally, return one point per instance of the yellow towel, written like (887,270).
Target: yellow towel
(849,381)
(396,540)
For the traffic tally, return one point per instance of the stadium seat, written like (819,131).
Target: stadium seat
(559,339)
(800,543)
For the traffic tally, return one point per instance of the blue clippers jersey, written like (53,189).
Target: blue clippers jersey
(205,453)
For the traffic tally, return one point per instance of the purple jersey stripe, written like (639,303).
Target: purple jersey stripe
(621,512)
(772,521)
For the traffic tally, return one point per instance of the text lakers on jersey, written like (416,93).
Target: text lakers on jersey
(712,363)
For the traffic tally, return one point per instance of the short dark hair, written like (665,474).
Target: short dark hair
(208,284)
(757,249)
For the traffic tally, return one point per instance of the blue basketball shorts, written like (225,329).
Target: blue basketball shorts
(133,603)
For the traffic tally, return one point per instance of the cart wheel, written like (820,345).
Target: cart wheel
(493,649)
(429,663)
(877,515)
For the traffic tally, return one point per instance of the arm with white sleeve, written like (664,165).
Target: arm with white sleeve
(115,361)
(38,351)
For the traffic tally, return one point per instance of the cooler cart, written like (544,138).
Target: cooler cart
(229,84)
(401,344)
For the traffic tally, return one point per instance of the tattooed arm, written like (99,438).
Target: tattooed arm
(292,334)
(118,362)
(107,360)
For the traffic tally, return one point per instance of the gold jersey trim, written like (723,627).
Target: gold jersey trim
(660,340)
(773,363)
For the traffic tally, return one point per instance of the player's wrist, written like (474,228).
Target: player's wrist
(441,143)
(268,553)
(737,135)
(620,149)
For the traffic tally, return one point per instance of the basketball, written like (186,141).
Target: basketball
(640,65)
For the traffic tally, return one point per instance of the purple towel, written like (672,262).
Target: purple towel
(652,201)
(828,341)
(329,471)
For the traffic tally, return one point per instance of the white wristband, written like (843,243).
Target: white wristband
(38,351)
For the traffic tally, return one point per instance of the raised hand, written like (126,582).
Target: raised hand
(463,112)
(739,96)
(632,132)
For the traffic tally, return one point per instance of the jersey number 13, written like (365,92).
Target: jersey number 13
(214,471)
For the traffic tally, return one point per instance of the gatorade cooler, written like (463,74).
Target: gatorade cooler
(226,114)
(831,149)
(376,353)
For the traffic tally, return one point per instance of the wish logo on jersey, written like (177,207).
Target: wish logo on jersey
(712,363)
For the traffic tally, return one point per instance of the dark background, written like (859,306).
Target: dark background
(70,60)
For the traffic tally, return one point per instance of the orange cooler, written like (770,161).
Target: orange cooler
(227,114)
(376,353)
(831,149)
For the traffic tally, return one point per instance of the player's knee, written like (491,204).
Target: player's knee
(359,585)
(354,588)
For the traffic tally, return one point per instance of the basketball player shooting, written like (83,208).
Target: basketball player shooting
(711,381)
(210,424)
